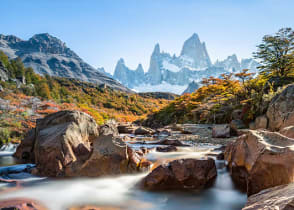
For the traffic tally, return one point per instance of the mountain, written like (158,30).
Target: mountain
(171,73)
(49,55)
(191,87)
(196,52)
(127,76)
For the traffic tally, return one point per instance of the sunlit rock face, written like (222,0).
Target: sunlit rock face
(181,174)
(261,159)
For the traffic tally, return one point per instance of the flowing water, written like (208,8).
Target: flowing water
(122,191)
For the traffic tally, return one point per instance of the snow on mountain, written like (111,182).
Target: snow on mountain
(169,66)
(196,51)
(162,87)
(230,64)
(128,77)
(177,72)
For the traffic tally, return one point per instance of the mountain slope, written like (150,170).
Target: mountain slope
(48,55)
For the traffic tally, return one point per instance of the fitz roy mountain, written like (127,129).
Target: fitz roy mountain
(169,73)
(48,55)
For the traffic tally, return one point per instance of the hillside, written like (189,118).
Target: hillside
(26,96)
(48,55)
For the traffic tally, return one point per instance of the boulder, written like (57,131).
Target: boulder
(288,131)
(109,128)
(110,156)
(144,131)
(171,142)
(126,128)
(235,125)
(221,131)
(280,112)
(181,174)
(166,149)
(261,159)
(280,198)
(25,150)
(164,132)
(60,143)
(261,122)
(21,204)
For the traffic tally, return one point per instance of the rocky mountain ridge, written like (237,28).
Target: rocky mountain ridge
(49,55)
(174,73)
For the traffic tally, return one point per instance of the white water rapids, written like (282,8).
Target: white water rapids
(122,191)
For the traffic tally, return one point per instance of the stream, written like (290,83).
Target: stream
(121,192)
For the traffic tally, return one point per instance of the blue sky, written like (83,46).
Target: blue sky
(102,31)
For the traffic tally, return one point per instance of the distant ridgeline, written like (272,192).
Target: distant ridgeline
(48,55)
(169,73)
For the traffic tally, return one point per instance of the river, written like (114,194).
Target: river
(122,192)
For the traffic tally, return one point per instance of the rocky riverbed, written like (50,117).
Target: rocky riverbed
(133,159)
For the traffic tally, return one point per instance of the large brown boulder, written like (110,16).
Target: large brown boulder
(280,197)
(280,112)
(68,143)
(261,159)
(181,174)
(110,156)
(61,141)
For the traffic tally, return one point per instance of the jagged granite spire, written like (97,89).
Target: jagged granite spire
(196,51)
(154,72)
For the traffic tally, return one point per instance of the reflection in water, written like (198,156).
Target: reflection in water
(123,191)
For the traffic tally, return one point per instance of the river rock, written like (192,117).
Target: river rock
(144,131)
(110,156)
(181,174)
(170,148)
(288,131)
(171,142)
(235,125)
(260,160)
(164,132)
(280,198)
(221,131)
(21,204)
(261,122)
(25,150)
(61,141)
(280,112)
(126,128)
(109,128)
